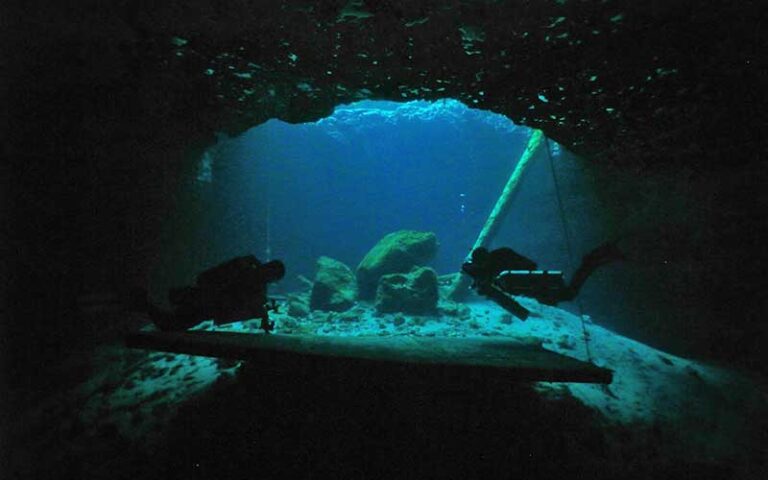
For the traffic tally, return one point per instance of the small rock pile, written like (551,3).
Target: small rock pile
(393,275)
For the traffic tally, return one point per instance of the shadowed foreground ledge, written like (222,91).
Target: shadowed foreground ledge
(501,359)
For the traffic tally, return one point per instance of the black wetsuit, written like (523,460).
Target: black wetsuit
(500,273)
(232,291)
(492,263)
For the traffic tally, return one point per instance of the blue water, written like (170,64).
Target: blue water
(337,186)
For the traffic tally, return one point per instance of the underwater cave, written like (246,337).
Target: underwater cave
(294,192)
(371,147)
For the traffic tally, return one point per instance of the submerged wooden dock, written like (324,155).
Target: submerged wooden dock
(506,359)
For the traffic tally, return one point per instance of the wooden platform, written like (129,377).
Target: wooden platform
(507,359)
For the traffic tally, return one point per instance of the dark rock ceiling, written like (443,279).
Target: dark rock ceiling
(622,81)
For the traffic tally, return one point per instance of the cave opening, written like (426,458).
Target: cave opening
(336,186)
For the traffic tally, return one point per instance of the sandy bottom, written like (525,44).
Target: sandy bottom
(704,413)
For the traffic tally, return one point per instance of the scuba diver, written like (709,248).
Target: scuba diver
(232,291)
(501,273)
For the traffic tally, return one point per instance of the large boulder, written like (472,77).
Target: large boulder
(334,288)
(397,252)
(414,292)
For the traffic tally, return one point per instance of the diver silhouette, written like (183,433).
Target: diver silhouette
(232,291)
(499,274)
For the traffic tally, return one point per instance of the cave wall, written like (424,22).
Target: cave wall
(107,105)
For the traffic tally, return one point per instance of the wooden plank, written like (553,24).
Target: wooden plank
(510,359)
